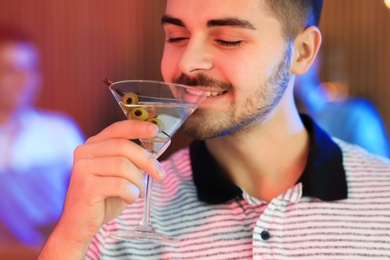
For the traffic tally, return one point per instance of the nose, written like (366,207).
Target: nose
(195,58)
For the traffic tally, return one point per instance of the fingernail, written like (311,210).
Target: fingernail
(143,191)
(131,187)
(160,171)
(151,128)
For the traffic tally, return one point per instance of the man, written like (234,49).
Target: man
(266,183)
(36,149)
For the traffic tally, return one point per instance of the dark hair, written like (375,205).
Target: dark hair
(296,15)
(9,33)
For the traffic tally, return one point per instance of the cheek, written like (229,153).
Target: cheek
(255,68)
(241,70)
(168,65)
(163,66)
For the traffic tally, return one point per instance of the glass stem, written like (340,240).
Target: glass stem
(146,220)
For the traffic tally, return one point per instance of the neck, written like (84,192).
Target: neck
(267,159)
(8,116)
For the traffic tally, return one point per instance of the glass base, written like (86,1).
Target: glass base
(147,234)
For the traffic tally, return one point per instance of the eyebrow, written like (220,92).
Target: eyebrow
(229,21)
(166,19)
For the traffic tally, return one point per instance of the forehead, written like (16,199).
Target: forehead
(201,11)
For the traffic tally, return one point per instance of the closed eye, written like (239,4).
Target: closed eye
(229,43)
(179,39)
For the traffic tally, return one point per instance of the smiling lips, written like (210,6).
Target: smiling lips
(214,93)
(209,93)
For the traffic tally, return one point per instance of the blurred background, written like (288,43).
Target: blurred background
(83,41)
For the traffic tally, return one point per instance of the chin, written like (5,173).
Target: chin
(198,133)
(198,126)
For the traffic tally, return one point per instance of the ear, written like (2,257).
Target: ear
(306,46)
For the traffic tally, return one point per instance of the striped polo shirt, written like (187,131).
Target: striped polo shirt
(338,209)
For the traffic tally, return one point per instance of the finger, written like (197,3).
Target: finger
(106,187)
(100,197)
(128,129)
(99,187)
(120,148)
(117,187)
(117,167)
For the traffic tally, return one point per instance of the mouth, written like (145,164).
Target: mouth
(214,93)
(207,92)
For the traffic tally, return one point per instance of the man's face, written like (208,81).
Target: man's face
(19,75)
(233,49)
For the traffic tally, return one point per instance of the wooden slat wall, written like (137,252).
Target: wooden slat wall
(85,40)
(358,32)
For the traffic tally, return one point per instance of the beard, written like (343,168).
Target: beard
(205,123)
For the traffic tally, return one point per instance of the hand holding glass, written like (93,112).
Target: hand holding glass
(167,105)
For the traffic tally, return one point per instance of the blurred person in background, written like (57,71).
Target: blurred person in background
(36,147)
(352,119)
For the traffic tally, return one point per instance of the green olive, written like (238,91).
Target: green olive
(158,122)
(138,113)
(130,98)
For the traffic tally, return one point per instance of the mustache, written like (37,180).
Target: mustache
(202,80)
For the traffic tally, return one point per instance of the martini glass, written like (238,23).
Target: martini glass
(167,105)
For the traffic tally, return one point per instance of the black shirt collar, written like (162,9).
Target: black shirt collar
(323,177)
